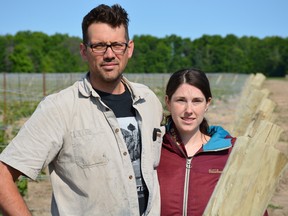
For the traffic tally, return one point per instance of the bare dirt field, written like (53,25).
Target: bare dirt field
(278,89)
(221,113)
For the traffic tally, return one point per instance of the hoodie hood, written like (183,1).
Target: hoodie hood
(220,140)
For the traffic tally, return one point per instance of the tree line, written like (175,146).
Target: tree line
(28,51)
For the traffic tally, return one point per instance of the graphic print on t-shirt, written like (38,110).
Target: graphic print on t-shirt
(131,137)
(130,131)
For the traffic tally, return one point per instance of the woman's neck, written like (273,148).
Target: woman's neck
(193,142)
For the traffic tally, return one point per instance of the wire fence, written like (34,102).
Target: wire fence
(32,87)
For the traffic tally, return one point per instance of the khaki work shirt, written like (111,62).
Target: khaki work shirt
(80,139)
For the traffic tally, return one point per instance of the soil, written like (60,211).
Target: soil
(221,113)
(278,88)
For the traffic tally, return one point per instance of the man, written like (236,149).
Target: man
(100,137)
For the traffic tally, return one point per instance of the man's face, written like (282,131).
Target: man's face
(106,68)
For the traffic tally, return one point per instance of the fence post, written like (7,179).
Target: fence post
(4,100)
(255,165)
(251,97)
(44,83)
(250,176)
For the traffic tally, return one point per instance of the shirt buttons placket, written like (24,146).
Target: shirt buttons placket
(130,177)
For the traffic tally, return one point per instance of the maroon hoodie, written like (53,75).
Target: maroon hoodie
(186,184)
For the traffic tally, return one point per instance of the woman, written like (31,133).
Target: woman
(193,154)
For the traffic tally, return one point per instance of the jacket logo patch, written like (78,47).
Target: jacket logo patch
(214,171)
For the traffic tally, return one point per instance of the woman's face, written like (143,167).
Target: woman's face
(187,108)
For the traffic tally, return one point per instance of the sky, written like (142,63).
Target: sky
(160,18)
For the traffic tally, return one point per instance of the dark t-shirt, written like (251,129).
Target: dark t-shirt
(122,107)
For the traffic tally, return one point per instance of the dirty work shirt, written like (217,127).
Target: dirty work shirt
(79,138)
(125,114)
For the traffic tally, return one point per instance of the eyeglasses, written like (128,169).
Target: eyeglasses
(101,48)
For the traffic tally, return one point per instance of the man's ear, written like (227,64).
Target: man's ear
(83,51)
(130,48)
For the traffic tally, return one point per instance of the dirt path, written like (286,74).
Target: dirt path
(278,89)
(221,113)
(38,197)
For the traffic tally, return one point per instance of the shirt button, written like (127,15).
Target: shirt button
(130,177)
(117,130)
(124,153)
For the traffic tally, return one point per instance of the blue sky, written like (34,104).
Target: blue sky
(159,18)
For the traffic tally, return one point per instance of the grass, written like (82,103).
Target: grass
(272,206)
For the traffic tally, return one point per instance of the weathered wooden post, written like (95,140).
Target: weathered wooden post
(250,176)
(255,165)
(251,97)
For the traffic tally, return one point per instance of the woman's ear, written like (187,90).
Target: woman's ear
(167,102)
(208,103)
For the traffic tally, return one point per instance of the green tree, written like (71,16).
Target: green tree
(29,51)
(20,59)
(275,60)
(180,52)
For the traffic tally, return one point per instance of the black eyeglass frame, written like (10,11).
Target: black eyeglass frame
(108,45)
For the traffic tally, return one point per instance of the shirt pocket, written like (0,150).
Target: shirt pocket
(157,144)
(89,147)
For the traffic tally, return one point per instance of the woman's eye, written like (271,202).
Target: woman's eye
(180,100)
(197,101)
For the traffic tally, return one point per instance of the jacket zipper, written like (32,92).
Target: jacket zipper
(186,186)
